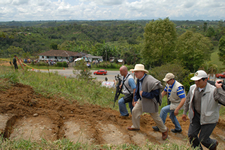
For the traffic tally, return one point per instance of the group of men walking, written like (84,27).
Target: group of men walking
(202,102)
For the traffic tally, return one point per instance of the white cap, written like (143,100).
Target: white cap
(168,77)
(199,75)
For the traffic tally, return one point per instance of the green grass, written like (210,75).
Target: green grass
(215,59)
(65,144)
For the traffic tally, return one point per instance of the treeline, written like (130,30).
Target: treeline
(158,43)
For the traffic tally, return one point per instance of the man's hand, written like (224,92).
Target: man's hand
(219,83)
(176,111)
(141,93)
(184,117)
(120,86)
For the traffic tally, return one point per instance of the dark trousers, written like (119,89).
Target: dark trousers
(15,65)
(205,131)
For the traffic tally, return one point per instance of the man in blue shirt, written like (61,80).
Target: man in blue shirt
(176,99)
(129,87)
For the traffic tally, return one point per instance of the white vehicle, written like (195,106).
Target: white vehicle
(78,59)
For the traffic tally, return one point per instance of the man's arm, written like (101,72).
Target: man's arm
(150,95)
(219,93)
(186,107)
(133,86)
(163,93)
(182,96)
(176,111)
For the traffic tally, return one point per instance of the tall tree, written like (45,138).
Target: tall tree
(159,43)
(222,49)
(193,49)
(205,26)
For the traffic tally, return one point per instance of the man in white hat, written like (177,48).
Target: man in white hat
(176,98)
(202,103)
(146,99)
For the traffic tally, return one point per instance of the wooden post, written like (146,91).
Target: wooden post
(19,62)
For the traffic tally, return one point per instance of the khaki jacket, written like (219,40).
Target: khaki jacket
(209,107)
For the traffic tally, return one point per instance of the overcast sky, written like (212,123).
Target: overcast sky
(23,10)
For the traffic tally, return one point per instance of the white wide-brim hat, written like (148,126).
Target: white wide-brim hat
(139,67)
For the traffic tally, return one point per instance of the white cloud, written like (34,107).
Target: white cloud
(20,2)
(111,9)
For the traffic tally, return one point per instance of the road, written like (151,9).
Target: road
(69,73)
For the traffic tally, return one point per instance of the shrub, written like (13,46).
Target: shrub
(179,72)
(43,64)
(61,64)
(187,82)
(82,71)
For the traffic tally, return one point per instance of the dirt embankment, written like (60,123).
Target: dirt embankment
(29,115)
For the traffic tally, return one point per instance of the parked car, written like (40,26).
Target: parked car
(100,72)
(220,75)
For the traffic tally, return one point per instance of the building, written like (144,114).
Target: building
(60,55)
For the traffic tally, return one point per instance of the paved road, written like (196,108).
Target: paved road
(69,73)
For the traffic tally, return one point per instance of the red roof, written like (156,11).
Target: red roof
(61,53)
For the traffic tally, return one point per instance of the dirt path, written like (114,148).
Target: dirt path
(29,115)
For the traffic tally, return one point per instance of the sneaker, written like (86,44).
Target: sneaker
(125,115)
(155,128)
(176,131)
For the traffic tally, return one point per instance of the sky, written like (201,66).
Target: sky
(32,10)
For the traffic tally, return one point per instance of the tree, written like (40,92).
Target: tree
(210,32)
(159,43)
(54,46)
(205,26)
(193,49)
(82,71)
(12,50)
(222,49)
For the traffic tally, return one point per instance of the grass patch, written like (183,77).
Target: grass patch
(215,59)
(65,144)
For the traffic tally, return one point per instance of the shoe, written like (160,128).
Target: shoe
(215,146)
(155,128)
(132,129)
(125,115)
(165,134)
(176,131)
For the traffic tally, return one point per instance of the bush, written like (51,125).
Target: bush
(187,82)
(111,65)
(61,64)
(179,72)
(43,64)
(82,71)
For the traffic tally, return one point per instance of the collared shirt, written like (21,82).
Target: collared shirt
(180,90)
(197,99)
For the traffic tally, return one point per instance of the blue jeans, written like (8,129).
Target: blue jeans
(123,108)
(163,115)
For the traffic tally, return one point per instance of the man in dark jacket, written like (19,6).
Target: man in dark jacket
(14,62)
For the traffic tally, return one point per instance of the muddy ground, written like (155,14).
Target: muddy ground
(29,115)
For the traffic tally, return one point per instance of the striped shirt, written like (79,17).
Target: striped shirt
(180,91)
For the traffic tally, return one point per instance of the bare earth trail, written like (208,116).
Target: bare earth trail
(28,115)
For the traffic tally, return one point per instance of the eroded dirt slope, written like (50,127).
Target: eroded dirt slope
(32,116)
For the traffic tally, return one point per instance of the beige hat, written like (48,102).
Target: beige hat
(139,67)
(168,77)
(199,75)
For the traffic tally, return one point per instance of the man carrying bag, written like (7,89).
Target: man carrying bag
(128,86)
